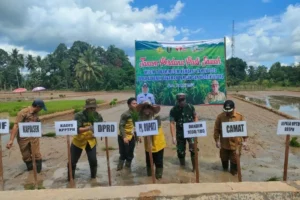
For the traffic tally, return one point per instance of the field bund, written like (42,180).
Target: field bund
(203,191)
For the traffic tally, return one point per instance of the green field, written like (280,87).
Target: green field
(52,106)
(166,95)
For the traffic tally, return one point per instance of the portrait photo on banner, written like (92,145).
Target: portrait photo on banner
(196,68)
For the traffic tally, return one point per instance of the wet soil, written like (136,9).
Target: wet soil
(263,160)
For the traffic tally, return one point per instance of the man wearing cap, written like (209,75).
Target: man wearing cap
(228,146)
(145,96)
(215,96)
(29,114)
(182,113)
(85,139)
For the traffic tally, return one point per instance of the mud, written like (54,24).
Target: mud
(263,160)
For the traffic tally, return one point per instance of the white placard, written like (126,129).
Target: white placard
(146,128)
(234,129)
(288,127)
(4,126)
(66,128)
(105,129)
(30,129)
(195,129)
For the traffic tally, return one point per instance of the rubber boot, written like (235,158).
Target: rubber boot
(73,172)
(193,163)
(38,166)
(149,172)
(182,161)
(29,165)
(233,169)
(158,173)
(128,164)
(93,171)
(120,165)
(225,165)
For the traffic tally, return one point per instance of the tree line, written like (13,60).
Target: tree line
(84,67)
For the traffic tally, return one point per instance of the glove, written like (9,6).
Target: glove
(174,141)
(218,145)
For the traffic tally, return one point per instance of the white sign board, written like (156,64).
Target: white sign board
(30,129)
(194,129)
(4,126)
(288,127)
(105,129)
(66,128)
(146,128)
(234,129)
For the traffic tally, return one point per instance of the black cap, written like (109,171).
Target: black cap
(40,103)
(228,106)
(145,85)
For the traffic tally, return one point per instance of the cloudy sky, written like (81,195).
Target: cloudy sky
(266,30)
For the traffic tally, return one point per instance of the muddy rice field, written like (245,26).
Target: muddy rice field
(262,161)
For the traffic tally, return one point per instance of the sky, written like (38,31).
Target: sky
(266,31)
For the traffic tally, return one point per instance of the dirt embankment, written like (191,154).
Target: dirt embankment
(263,160)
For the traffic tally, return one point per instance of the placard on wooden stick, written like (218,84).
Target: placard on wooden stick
(194,130)
(67,128)
(31,129)
(287,127)
(235,129)
(4,129)
(106,129)
(148,129)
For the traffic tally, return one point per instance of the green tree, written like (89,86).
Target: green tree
(31,64)
(236,69)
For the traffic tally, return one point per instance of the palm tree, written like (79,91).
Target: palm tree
(86,68)
(16,61)
(31,63)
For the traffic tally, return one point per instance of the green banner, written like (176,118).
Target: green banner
(196,68)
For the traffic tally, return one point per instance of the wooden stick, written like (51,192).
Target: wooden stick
(70,164)
(196,159)
(286,157)
(107,158)
(34,165)
(1,166)
(238,162)
(150,157)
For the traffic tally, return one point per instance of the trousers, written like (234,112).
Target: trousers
(91,154)
(26,144)
(126,150)
(158,159)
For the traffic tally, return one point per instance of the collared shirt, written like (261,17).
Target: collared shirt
(212,98)
(82,139)
(145,97)
(226,143)
(26,115)
(126,126)
(182,115)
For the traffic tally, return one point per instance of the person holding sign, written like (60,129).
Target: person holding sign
(85,139)
(228,146)
(182,113)
(147,111)
(29,114)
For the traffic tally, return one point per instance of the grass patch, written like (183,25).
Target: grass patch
(274,178)
(53,106)
(294,142)
(110,148)
(50,134)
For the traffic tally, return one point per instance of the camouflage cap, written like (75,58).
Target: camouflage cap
(91,103)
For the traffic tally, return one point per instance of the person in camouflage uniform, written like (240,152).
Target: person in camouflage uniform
(127,137)
(182,113)
(85,139)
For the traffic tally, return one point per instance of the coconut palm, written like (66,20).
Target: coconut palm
(31,63)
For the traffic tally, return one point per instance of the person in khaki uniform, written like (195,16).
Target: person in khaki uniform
(147,111)
(126,137)
(85,139)
(228,146)
(29,114)
(215,96)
